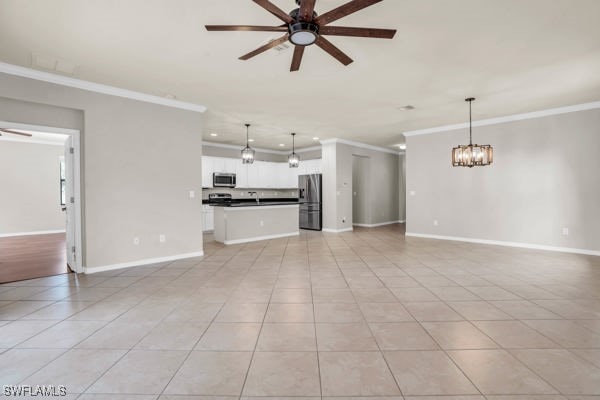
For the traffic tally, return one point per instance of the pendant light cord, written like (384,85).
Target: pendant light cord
(470,124)
(247,142)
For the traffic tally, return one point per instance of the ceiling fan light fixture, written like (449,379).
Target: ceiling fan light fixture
(293,159)
(472,155)
(303,33)
(247,152)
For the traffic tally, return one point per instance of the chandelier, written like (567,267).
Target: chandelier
(294,159)
(247,152)
(472,154)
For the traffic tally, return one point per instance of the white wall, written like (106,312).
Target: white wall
(139,162)
(544,178)
(30,187)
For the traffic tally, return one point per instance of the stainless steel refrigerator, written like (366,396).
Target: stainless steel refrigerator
(309,197)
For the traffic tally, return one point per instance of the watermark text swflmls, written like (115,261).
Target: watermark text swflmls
(36,390)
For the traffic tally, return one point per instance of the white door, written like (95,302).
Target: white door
(70,203)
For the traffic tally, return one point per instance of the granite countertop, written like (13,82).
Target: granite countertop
(253,203)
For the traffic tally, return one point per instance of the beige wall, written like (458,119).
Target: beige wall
(30,186)
(139,162)
(337,185)
(544,178)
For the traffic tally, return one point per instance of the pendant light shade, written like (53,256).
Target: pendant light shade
(293,159)
(247,152)
(472,155)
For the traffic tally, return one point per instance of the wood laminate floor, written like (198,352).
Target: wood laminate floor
(32,256)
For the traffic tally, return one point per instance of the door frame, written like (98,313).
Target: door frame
(76,136)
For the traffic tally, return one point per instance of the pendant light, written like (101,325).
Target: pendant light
(473,154)
(293,159)
(247,152)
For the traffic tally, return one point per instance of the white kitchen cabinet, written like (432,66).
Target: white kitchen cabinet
(260,174)
(266,174)
(207,171)
(231,165)
(241,175)
(208,218)
(219,164)
(253,175)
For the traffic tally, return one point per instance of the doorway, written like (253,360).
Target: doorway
(40,217)
(361,201)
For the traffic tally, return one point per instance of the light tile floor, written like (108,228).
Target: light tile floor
(368,313)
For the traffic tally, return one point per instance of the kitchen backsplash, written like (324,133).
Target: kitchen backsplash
(243,193)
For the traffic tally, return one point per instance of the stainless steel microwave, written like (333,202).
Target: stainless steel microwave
(221,179)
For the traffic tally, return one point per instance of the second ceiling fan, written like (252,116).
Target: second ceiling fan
(304,27)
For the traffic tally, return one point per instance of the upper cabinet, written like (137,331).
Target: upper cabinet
(258,175)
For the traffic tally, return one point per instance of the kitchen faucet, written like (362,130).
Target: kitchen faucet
(256,193)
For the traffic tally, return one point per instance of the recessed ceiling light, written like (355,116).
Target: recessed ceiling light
(281,145)
(251,140)
(407,107)
(214,134)
(315,138)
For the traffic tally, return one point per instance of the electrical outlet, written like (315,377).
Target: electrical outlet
(412,193)
(262,223)
(435,222)
(192,194)
(162,238)
(565,231)
(136,241)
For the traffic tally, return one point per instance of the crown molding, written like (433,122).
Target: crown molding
(30,73)
(508,118)
(280,152)
(361,145)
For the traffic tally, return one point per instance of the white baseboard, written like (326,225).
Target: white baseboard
(400,221)
(137,263)
(31,233)
(258,238)
(337,230)
(507,244)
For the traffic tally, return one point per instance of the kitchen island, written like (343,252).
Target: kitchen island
(248,221)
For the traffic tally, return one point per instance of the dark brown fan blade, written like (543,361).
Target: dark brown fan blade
(343,10)
(253,28)
(15,132)
(297,59)
(333,51)
(264,48)
(360,32)
(276,11)
(306,10)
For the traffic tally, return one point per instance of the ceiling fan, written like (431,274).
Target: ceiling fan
(3,130)
(304,27)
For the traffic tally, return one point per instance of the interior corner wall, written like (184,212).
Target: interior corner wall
(139,162)
(30,183)
(329,183)
(337,185)
(402,187)
(544,178)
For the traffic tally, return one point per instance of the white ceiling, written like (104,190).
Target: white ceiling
(513,55)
